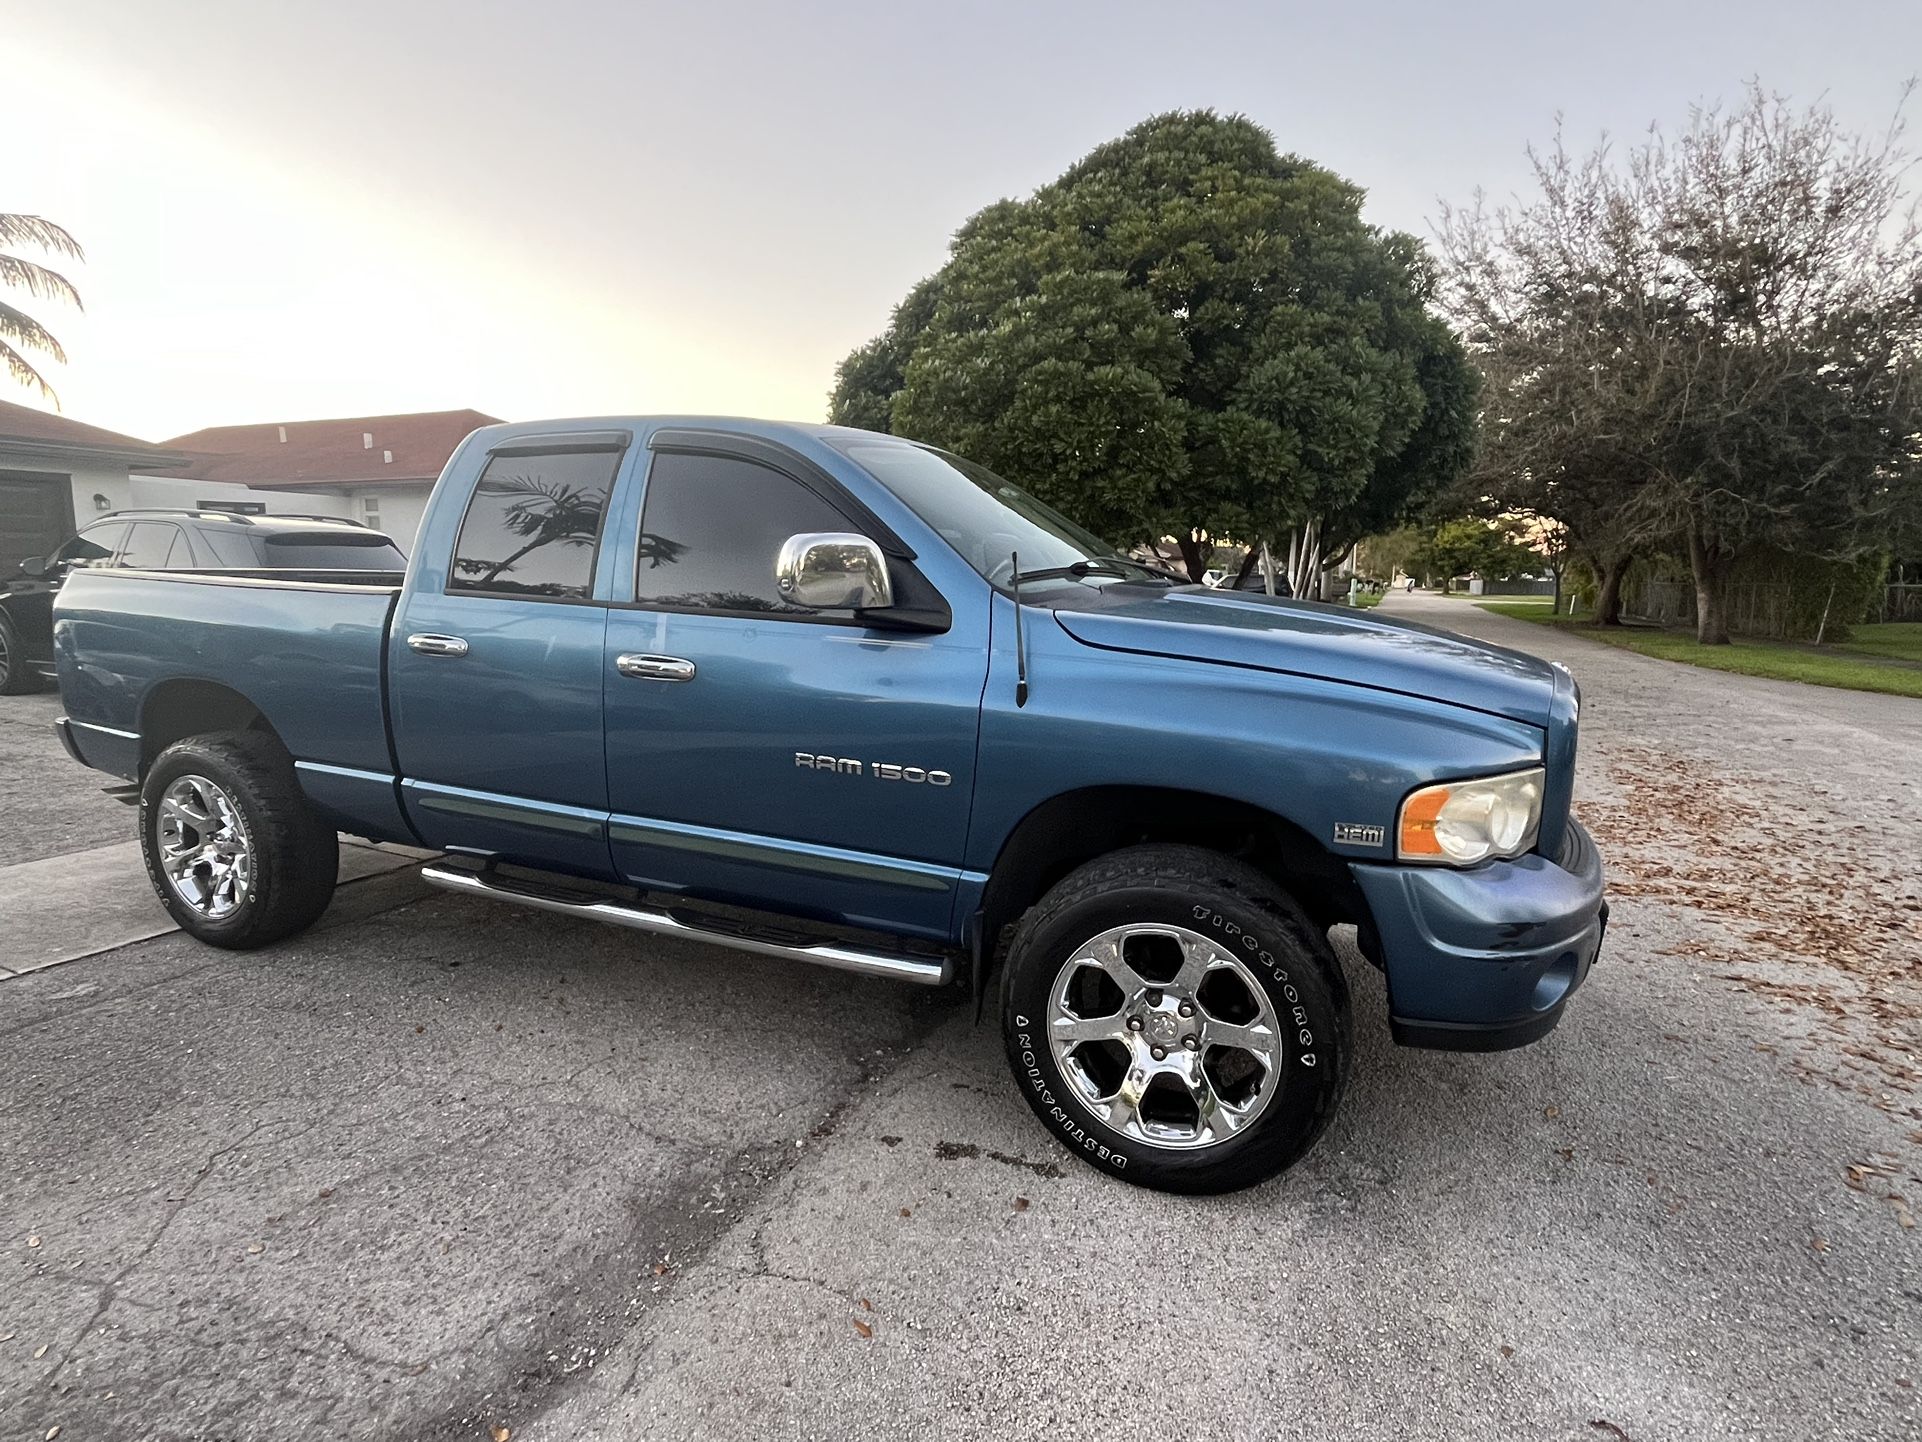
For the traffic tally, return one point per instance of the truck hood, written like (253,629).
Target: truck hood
(1302,638)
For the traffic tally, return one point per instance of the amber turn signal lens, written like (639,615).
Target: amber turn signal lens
(1418,822)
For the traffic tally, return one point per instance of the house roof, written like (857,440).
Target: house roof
(305,455)
(37,430)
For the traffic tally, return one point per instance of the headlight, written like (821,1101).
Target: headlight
(1462,822)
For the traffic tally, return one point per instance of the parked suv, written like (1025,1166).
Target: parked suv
(173,540)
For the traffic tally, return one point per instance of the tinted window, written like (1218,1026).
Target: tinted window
(333,551)
(712,528)
(151,545)
(532,526)
(93,545)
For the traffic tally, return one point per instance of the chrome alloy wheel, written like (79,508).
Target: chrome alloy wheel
(1165,1037)
(204,847)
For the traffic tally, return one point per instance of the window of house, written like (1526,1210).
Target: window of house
(712,528)
(370,512)
(533,526)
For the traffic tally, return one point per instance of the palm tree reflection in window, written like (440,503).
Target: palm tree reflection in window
(543,513)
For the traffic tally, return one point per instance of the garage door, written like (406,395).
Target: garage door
(36,515)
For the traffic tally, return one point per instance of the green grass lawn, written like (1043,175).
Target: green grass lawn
(1365,599)
(1898,640)
(1860,664)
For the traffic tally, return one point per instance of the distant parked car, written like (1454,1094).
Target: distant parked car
(1253,582)
(173,540)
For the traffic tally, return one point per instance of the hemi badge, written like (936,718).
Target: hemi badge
(1353,833)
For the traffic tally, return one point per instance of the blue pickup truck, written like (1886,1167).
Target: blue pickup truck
(837,697)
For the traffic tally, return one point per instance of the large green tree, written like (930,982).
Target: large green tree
(1188,333)
(19,332)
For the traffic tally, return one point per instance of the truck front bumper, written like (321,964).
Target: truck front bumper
(1485,959)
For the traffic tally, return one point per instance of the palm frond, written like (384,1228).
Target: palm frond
(19,368)
(21,329)
(40,232)
(37,280)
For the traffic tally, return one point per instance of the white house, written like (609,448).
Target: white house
(57,474)
(377,470)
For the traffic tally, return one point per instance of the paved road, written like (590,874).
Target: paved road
(438,1168)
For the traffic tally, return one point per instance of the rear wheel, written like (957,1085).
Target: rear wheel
(235,853)
(1176,1020)
(17,676)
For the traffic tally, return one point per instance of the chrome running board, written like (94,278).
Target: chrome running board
(924,970)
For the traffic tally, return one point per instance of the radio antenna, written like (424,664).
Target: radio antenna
(1020,646)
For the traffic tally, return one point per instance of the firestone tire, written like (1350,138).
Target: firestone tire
(234,851)
(1226,1050)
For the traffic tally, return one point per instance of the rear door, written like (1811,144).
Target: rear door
(495,663)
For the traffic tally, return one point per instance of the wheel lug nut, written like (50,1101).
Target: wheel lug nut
(1187,1008)
(1154,998)
(1134,1023)
(1191,1041)
(1158,1054)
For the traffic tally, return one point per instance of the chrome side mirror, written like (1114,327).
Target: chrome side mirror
(833,571)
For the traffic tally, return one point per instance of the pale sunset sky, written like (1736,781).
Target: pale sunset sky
(294,210)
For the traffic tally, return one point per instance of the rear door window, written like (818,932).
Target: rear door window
(534,525)
(151,545)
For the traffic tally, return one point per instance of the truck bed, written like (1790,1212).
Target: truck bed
(306,647)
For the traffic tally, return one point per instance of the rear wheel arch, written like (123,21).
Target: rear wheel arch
(183,706)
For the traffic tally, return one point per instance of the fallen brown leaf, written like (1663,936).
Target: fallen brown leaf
(41,1350)
(326,1192)
(1021,1204)
(866,1305)
(907,1211)
(1551,1112)
(1602,1424)
(1821,1244)
(1506,1350)
(420,1030)
(863,1328)
(33,1241)
(501,1434)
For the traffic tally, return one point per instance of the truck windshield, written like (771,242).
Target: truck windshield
(986,519)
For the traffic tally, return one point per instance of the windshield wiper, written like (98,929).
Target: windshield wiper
(1093,566)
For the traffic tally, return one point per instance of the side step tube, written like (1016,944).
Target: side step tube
(925,970)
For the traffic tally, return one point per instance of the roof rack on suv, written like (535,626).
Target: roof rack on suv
(244,518)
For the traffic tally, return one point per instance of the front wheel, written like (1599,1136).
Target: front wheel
(1176,1020)
(235,853)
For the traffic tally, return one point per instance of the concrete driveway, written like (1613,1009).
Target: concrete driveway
(438,1169)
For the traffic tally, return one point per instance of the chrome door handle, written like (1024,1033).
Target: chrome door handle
(655,668)
(430,645)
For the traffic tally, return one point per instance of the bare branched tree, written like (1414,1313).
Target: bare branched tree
(1710,344)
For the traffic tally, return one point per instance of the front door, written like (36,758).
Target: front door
(495,666)
(772,756)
